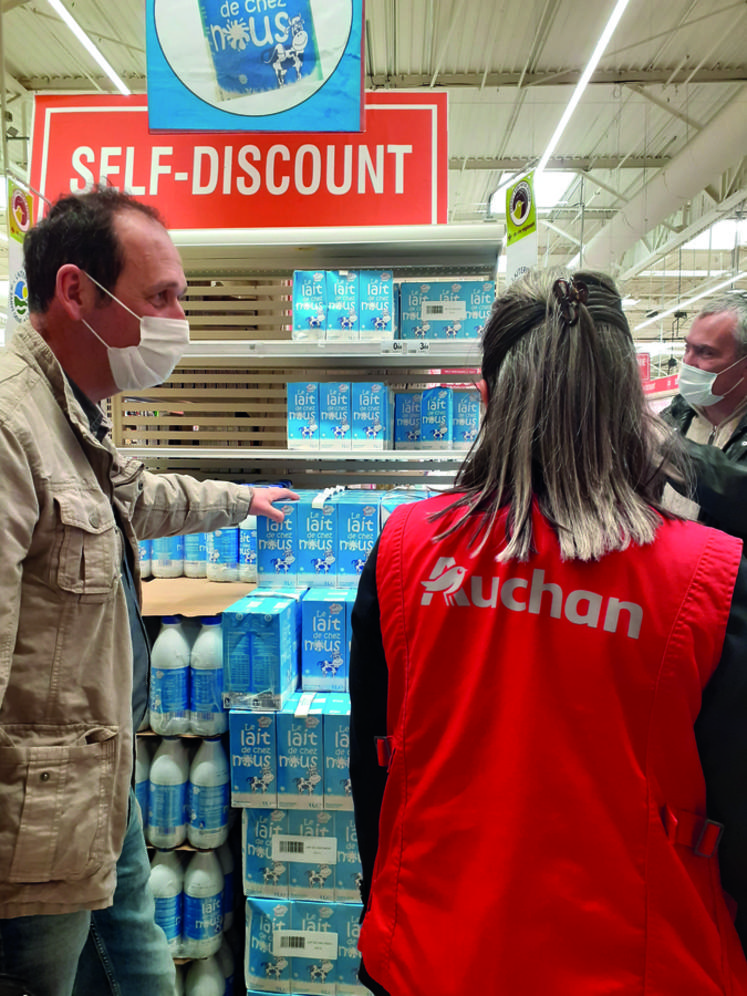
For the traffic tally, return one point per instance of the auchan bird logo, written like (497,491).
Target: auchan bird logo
(446,578)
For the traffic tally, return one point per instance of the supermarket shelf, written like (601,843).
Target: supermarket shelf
(447,249)
(316,355)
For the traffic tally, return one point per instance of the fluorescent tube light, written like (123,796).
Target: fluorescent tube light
(88,45)
(681,305)
(596,55)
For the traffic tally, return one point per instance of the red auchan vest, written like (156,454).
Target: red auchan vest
(543,827)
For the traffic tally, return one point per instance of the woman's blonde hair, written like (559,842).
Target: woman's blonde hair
(566,424)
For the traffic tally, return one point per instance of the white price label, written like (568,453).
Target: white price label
(305,944)
(311,850)
(423,346)
(446,311)
(393,346)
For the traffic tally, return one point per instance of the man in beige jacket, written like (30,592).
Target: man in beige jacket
(105,283)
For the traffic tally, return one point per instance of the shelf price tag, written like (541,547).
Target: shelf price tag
(393,346)
(422,346)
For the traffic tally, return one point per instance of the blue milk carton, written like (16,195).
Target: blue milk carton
(309,305)
(267,962)
(350,595)
(262,874)
(316,528)
(312,854)
(407,405)
(277,548)
(349,872)
(337,793)
(323,641)
(260,652)
(436,425)
(314,961)
(343,322)
(465,417)
(479,296)
(251,738)
(357,531)
(413,296)
(370,412)
(391,499)
(348,928)
(334,415)
(300,754)
(376,296)
(303,415)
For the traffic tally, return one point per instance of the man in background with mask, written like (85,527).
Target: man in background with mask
(711,413)
(105,283)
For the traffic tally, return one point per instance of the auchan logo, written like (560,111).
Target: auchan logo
(535,595)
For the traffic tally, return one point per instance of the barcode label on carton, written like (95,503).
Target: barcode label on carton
(449,311)
(312,850)
(305,944)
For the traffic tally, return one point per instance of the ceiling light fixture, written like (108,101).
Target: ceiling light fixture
(691,300)
(88,45)
(596,55)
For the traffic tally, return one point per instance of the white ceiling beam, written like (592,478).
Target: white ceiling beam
(664,106)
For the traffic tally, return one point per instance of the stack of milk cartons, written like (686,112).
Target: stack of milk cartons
(445,309)
(344,305)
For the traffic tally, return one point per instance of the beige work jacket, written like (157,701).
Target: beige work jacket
(66,734)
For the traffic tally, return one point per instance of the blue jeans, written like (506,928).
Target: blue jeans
(119,951)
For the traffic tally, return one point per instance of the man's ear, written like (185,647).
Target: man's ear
(74,293)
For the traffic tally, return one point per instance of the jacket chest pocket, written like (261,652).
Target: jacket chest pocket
(89,545)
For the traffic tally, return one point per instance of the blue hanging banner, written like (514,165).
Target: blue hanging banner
(255,65)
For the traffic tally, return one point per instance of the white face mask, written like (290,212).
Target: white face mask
(695,384)
(163,342)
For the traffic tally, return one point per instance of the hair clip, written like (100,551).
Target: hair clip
(569,294)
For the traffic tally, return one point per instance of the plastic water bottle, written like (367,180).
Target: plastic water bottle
(195,555)
(208,800)
(225,857)
(168,557)
(203,917)
(227,965)
(207,717)
(167,886)
(205,978)
(248,549)
(169,679)
(167,795)
(142,774)
(223,554)
(145,554)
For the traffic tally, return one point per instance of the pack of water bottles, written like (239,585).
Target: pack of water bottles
(228,554)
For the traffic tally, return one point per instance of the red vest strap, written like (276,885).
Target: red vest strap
(690,830)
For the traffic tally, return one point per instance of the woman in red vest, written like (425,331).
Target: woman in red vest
(549,694)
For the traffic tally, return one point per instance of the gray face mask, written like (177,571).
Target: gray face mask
(163,342)
(695,385)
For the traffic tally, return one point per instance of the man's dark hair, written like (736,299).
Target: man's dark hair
(78,229)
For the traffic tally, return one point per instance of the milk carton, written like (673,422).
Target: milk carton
(370,412)
(350,594)
(337,794)
(479,296)
(277,548)
(267,962)
(315,948)
(391,499)
(347,927)
(436,415)
(303,415)
(343,322)
(309,305)
(311,851)
(316,543)
(324,657)
(251,737)
(376,297)
(407,405)
(348,871)
(260,652)
(334,415)
(357,530)
(413,296)
(300,754)
(465,417)
(262,875)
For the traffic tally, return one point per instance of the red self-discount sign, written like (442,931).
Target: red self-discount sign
(395,172)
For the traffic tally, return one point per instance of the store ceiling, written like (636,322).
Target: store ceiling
(657,149)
